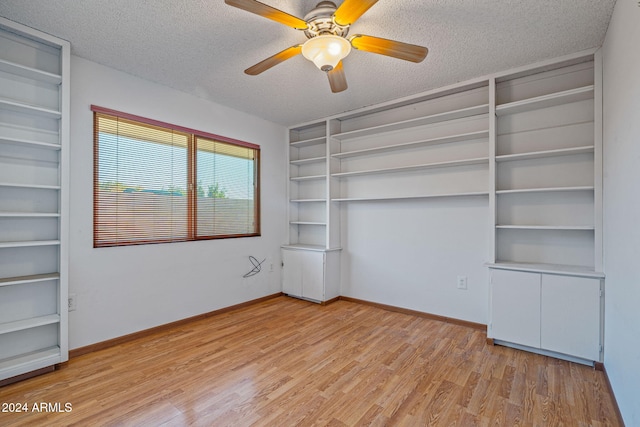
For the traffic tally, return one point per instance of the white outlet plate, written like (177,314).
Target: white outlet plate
(72,302)
(462,282)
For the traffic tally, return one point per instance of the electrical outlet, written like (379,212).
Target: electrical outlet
(462,282)
(72,302)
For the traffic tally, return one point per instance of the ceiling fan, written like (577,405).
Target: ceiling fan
(326,28)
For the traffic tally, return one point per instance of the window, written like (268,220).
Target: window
(156,183)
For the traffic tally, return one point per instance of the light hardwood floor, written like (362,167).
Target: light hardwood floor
(285,362)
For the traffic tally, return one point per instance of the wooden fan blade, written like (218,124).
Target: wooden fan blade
(269,12)
(406,51)
(337,79)
(349,11)
(274,60)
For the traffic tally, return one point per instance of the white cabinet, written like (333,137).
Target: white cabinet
(515,307)
(34,132)
(570,315)
(555,313)
(311,274)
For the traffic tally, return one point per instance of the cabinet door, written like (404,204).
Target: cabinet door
(292,273)
(571,316)
(515,307)
(313,276)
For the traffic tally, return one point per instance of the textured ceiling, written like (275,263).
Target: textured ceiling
(202,46)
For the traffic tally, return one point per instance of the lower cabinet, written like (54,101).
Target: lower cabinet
(312,274)
(556,313)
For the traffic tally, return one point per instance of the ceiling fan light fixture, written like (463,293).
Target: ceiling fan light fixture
(326,51)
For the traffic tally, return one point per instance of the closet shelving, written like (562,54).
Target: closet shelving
(34,105)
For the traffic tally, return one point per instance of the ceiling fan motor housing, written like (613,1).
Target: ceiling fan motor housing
(320,21)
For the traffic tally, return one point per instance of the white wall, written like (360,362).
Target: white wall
(622,206)
(409,253)
(126,289)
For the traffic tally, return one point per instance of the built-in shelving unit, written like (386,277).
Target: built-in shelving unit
(527,140)
(546,265)
(311,263)
(545,167)
(34,133)
(308,185)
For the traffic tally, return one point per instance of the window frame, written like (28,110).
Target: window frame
(192,150)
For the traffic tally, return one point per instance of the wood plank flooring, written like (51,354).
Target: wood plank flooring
(285,362)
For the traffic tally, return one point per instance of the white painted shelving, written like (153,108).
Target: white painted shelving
(34,133)
(546,266)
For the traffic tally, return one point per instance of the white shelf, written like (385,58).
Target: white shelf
(308,142)
(304,247)
(31,186)
(4,245)
(21,280)
(308,161)
(28,72)
(569,270)
(308,178)
(420,121)
(307,200)
(407,145)
(19,107)
(545,190)
(547,227)
(465,162)
(425,196)
(558,98)
(36,126)
(19,141)
(307,223)
(546,153)
(21,325)
(29,215)
(34,360)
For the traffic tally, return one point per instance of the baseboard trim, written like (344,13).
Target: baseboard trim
(76,352)
(613,396)
(417,313)
(329,301)
(27,375)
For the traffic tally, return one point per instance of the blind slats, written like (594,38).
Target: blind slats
(154,184)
